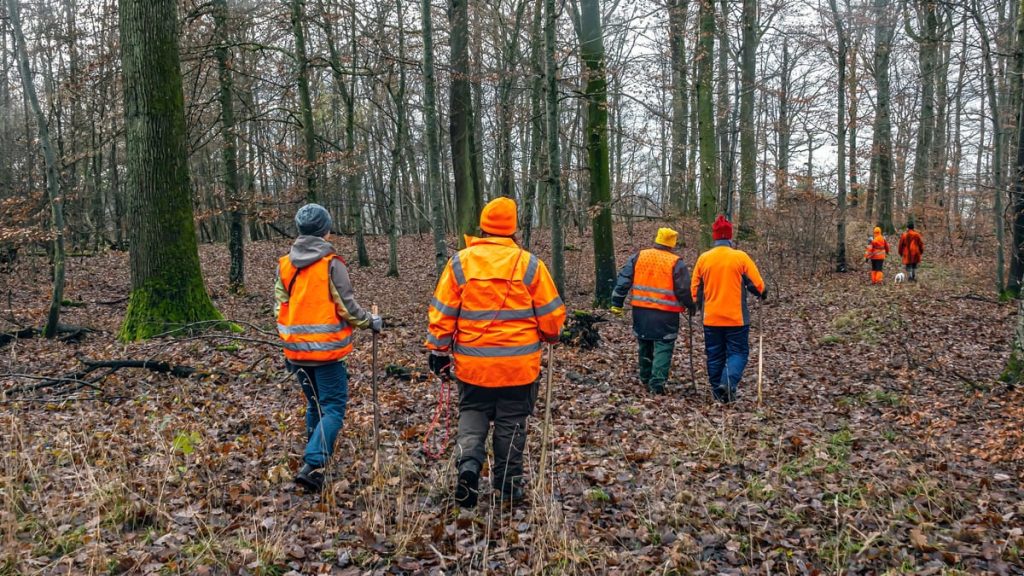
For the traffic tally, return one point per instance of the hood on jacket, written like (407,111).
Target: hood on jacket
(307,250)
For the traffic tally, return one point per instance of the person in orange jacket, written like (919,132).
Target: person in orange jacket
(316,310)
(876,252)
(911,248)
(722,277)
(659,283)
(493,306)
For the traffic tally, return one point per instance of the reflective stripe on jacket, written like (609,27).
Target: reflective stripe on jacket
(722,277)
(653,284)
(493,305)
(911,247)
(308,321)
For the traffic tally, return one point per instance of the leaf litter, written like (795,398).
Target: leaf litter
(885,441)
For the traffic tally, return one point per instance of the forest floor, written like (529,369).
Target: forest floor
(885,442)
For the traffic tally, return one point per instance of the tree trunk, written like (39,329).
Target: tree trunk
(748,146)
(841,53)
(534,182)
(433,140)
(884,30)
(53,187)
(167,283)
(398,99)
(680,104)
(468,192)
(596,91)
(927,54)
(229,150)
(554,154)
(354,168)
(999,221)
(306,107)
(1017,254)
(784,129)
(706,121)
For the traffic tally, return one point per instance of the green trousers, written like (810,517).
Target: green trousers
(655,361)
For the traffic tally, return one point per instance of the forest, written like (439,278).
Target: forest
(153,156)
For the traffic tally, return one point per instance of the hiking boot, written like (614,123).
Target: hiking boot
(657,389)
(512,492)
(467,489)
(311,479)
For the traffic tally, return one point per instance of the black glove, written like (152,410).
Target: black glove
(764,294)
(691,310)
(440,364)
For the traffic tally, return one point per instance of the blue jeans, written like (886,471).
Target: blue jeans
(727,349)
(326,390)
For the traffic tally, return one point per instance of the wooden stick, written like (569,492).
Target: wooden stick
(376,405)
(546,430)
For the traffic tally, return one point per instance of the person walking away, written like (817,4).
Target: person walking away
(316,311)
(911,248)
(722,277)
(659,283)
(877,251)
(493,306)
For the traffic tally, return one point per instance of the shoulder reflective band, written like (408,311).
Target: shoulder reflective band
(460,276)
(496,351)
(531,270)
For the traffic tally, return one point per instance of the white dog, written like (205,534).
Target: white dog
(901,278)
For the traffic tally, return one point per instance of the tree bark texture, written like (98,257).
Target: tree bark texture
(167,283)
(706,121)
(592,54)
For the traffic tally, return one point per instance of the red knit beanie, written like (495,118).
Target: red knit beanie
(721,229)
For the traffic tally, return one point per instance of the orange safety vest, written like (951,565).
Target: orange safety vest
(308,322)
(878,249)
(653,285)
(491,306)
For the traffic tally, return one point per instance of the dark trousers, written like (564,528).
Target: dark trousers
(326,390)
(727,349)
(655,361)
(508,408)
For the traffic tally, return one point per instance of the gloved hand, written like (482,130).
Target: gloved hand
(551,339)
(691,311)
(440,364)
(376,323)
(764,294)
(617,310)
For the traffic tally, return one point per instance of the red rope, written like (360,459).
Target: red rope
(443,406)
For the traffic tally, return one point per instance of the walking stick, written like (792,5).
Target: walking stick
(760,350)
(376,405)
(693,373)
(546,430)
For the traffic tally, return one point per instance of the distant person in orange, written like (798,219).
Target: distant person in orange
(659,285)
(877,251)
(911,248)
(494,305)
(722,277)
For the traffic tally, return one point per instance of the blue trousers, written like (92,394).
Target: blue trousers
(326,390)
(727,349)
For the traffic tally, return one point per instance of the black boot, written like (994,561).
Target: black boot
(467,489)
(311,479)
(512,491)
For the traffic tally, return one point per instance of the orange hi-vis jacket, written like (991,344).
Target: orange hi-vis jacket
(493,305)
(308,321)
(721,279)
(653,281)
(911,247)
(878,249)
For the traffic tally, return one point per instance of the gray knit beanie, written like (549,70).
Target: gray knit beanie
(313,220)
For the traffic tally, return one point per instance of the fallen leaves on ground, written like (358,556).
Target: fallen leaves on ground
(884,441)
